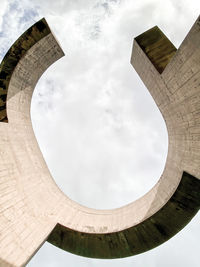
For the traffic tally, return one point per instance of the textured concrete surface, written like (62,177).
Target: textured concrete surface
(33,209)
(13,56)
(157,47)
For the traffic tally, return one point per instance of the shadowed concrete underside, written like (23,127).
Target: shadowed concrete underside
(13,56)
(160,227)
(157,47)
(32,207)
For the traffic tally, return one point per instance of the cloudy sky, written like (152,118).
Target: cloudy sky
(101,134)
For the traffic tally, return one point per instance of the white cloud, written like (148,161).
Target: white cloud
(92,112)
(3,11)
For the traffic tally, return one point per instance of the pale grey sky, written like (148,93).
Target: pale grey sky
(101,134)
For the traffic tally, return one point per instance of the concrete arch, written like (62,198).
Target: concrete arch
(33,209)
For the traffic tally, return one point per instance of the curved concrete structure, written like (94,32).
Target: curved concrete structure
(32,207)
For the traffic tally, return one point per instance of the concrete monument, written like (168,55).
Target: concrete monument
(34,210)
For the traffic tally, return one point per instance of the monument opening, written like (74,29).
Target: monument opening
(104,149)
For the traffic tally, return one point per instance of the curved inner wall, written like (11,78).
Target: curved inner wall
(101,156)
